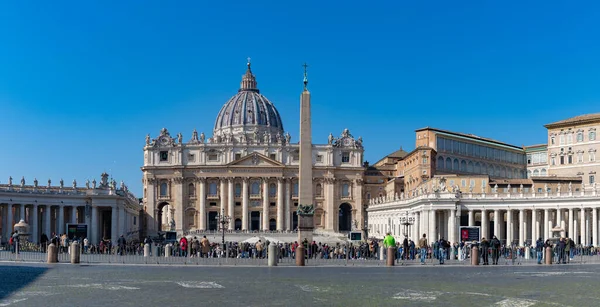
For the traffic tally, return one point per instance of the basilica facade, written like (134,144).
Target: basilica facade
(248,171)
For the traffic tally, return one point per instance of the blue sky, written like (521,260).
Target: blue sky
(81,84)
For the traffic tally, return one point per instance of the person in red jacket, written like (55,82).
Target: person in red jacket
(183,244)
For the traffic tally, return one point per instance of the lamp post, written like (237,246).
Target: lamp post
(406,221)
(223,220)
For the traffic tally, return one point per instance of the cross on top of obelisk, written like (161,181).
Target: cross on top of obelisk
(305,76)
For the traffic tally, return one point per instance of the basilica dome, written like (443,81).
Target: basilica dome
(248,112)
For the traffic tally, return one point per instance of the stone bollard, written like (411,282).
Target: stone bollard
(167,250)
(300,261)
(75,253)
(381,253)
(548,255)
(527,252)
(272,256)
(52,253)
(391,255)
(474,255)
(146,250)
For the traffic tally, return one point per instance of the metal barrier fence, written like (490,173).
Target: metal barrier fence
(158,256)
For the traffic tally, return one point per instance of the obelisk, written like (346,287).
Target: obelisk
(305,202)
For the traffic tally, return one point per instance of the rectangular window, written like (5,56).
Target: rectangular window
(345,157)
(580,137)
(592,156)
(463,183)
(562,140)
(212,204)
(273,156)
(272,204)
(425,160)
(164,156)
(570,159)
(191,157)
(569,138)
(213,157)
(134,220)
(592,179)
(580,157)
(539,190)
(562,159)
(319,158)
(238,204)
(529,161)
(451,183)
(543,158)
(295,157)
(238,156)
(553,161)
(472,183)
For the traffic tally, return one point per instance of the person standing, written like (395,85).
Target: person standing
(388,241)
(485,253)
(539,249)
(405,248)
(205,247)
(423,248)
(442,245)
(495,244)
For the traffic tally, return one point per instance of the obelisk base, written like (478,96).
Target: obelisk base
(305,228)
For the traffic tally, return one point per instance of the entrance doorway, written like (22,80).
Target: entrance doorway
(212,221)
(295,220)
(272,225)
(345,217)
(254,220)
(238,224)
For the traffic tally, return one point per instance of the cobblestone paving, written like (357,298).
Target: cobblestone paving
(131,285)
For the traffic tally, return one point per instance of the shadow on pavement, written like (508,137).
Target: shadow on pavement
(13,278)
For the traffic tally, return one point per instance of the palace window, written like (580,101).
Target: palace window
(570,159)
(543,172)
(552,141)
(592,135)
(212,188)
(562,139)
(592,156)
(164,189)
(213,157)
(191,190)
(425,160)
(463,183)
(569,138)
(529,161)
(319,158)
(592,179)
(553,161)
(272,190)
(580,157)
(164,156)
(191,158)
(345,190)
(255,188)
(579,136)
(238,190)
(562,160)
(345,157)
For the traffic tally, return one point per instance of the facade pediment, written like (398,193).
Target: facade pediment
(255,159)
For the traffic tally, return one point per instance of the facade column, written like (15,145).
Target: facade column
(113,225)
(571,224)
(48,221)
(484,224)
(94,225)
(417,228)
(522,227)
(245,203)
(122,230)
(61,219)
(330,211)
(432,226)
(509,227)
(595,227)
(177,210)
(497,223)
(34,224)
(74,214)
(202,198)
(288,197)
(471,218)
(452,226)
(223,196)
(582,224)
(231,205)
(280,209)
(265,196)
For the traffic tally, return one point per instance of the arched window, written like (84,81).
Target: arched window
(543,172)
(470,167)
(440,162)
(455,166)
(164,188)
(255,188)
(191,190)
(345,190)
(477,168)
(448,163)
(319,189)
(212,188)
(238,190)
(536,173)
(272,190)
(463,166)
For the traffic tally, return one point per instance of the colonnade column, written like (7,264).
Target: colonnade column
(61,220)
(497,223)
(471,218)
(546,221)
(452,226)
(280,210)
(34,224)
(74,214)
(509,227)
(534,234)
(202,196)
(9,220)
(522,227)
(559,219)
(288,197)
(583,233)
(47,220)
(484,224)
(245,203)
(265,196)
(432,226)
(113,225)
(231,204)
(571,224)
(417,230)
(595,226)
(22,213)
(94,225)
(122,216)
